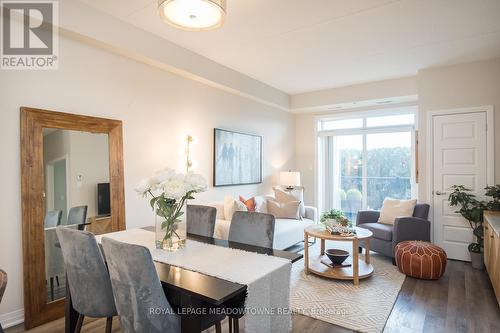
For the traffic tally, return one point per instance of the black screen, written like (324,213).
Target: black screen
(103,204)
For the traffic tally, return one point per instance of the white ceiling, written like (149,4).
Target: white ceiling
(305,45)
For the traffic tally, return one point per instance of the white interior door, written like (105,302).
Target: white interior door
(459,158)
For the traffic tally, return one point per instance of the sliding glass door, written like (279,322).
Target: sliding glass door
(363,166)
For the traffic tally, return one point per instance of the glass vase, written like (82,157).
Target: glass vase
(170,233)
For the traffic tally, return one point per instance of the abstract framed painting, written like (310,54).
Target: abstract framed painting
(237,158)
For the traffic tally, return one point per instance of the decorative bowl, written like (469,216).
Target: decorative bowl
(337,256)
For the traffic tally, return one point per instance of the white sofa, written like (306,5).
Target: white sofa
(287,232)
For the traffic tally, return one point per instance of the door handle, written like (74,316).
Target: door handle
(440,193)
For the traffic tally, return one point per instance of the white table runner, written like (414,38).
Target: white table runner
(267,277)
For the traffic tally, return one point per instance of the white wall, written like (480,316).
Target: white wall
(89,157)
(459,86)
(157,109)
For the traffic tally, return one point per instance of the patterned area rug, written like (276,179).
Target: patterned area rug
(363,308)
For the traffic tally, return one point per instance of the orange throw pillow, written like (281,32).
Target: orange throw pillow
(250,203)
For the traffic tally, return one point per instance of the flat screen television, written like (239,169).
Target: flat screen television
(103,200)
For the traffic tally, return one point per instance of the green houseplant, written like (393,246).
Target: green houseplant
(472,210)
(334,220)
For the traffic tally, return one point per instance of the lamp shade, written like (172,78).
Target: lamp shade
(290,178)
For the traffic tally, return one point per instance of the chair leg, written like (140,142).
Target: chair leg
(109,324)
(230,322)
(79,323)
(360,249)
(236,325)
(51,288)
(218,328)
(394,261)
(57,280)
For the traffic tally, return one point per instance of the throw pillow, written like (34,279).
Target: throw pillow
(297,194)
(286,210)
(231,206)
(249,203)
(393,208)
(260,204)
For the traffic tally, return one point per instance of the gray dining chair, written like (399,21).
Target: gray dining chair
(252,228)
(52,218)
(87,276)
(3,285)
(77,216)
(54,265)
(200,220)
(137,289)
(54,262)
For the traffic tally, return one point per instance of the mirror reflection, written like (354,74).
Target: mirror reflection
(76,170)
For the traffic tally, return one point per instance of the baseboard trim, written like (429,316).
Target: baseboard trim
(12,318)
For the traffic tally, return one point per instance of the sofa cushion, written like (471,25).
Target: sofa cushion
(250,203)
(231,206)
(379,230)
(286,232)
(285,210)
(220,209)
(297,194)
(393,208)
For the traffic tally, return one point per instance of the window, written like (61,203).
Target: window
(363,160)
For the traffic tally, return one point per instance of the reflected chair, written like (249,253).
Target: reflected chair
(54,262)
(252,228)
(53,218)
(54,265)
(87,276)
(77,216)
(200,220)
(3,285)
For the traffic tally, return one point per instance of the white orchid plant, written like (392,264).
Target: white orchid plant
(169,191)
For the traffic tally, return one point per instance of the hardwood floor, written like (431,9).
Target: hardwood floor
(461,301)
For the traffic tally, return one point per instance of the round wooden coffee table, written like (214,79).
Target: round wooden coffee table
(358,269)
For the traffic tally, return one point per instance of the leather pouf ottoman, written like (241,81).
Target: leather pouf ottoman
(421,260)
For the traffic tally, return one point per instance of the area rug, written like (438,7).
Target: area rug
(363,308)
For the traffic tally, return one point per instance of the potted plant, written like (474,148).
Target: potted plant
(335,221)
(169,193)
(472,210)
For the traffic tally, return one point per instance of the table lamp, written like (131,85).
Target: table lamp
(289,179)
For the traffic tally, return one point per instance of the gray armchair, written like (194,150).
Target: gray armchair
(386,237)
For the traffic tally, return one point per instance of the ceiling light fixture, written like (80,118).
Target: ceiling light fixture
(193,15)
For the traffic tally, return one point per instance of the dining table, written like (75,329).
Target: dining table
(190,289)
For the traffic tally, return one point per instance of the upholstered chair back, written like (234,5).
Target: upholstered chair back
(88,278)
(252,228)
(77,215)
(139,296)
(52,218)
(421,211)
(201,220)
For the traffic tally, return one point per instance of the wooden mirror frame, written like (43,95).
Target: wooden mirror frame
(36,308)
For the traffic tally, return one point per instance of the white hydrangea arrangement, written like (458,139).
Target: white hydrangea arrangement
(169,191)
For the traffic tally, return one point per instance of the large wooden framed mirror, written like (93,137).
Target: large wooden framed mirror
(71,174)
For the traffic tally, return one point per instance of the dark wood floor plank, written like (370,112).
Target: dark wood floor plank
(456,314)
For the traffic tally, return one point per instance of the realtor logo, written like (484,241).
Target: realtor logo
(29,34)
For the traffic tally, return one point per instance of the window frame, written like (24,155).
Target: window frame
(320,135)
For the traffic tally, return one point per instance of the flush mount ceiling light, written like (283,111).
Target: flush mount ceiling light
(194,15)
